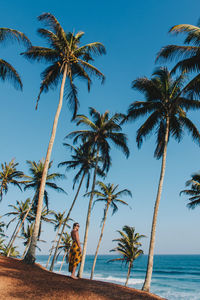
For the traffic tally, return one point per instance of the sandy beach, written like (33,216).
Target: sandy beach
(21,281)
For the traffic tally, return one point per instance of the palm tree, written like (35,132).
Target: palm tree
(128,246)
(100,130)
(7,71)
(58,220)
(189,55)
(67,61)
(10,175)
(65,245)
(108,194)
(83,158)
(166,109)
(20,212)
(27,235)
(34,181)
(194,192)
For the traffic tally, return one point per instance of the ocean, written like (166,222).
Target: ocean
(175,277)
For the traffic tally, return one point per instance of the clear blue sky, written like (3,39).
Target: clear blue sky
(132,32)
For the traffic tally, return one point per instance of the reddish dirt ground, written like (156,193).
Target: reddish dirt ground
(21,281)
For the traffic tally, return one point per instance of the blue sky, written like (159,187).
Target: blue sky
(133,32)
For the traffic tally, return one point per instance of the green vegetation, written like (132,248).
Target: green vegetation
(129,247)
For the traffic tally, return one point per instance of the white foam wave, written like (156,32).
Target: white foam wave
(131,281)
(175,295)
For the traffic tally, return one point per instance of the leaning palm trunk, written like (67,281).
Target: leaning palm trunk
(129,272)
(30,256)
(14,232)
(26,248)
(63,260)
(147,282)
(88,219)
(100,238)
(18,230)
(54,242)
(64,224)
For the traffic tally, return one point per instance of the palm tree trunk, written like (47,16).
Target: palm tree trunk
(147,282)
(26,248)
(63,260)
(51,251)
(88,220)
(63,228)
(100,238)
(30,256)
(18,230)
(129,272)
(13,234)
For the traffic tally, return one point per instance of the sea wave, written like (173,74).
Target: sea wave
(174,295)
(131,281)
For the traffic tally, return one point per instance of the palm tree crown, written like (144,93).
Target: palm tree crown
(7,71)
(189,55)
(194,191)
(128,244)
(64,51)
(84,158)
(101,129)
(10,175)
(34,181)
(164,102)
(109,194)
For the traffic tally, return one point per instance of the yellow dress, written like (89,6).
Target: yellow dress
(75,256)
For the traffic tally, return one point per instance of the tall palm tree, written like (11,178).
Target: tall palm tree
(20,211)
(108,194)
(59,219)
(64,246)
(10,175)
(194,191)
(7,71)
(83,158)
(128,246)
(189,55)
(68,60)
(166,109)
(101,129)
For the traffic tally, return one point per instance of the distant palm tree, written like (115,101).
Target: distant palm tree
(128,247)
(65,245)
(13,252)
(189,55)
(2,228)
(101,129)
(33,182)
(108,194)
(59,219)
(194,192)
(83,158)
(7,71)
(20,211)
(68,61)
(10,175)
(27,235)
(46,216)
(166,109)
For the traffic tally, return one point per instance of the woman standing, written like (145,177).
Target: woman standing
(75,253)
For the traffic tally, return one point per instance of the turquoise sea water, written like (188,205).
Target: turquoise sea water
(175,277)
